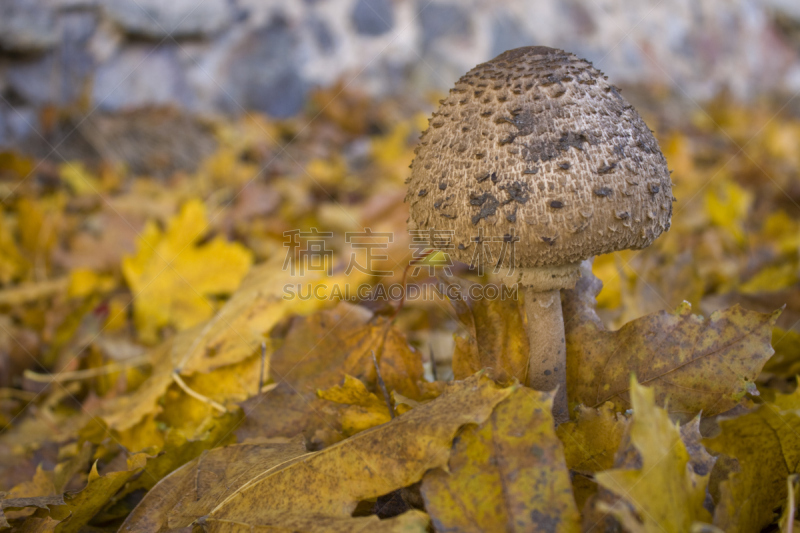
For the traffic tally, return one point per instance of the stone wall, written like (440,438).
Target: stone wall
(227,55)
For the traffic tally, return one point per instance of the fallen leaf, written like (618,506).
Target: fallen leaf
(410,522)
(692,364)
(508,474)
(727,206)
(786,361)
(364,409)
(320,349)
(330,483)
(78,178)
(663,495)
(318,352)
(194,489)
(700,460)
(79,508)
(591,440)
(496,338)
(46,488)
(222,345)
(766,444)
(178,449)
(172,276)
(12,263)
(284,412)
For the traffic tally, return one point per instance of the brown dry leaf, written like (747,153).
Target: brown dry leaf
(81,507)
(126,411)
(766,443)
(592,439)
(284,412)
(663,495)
(317,353)
(319,350)
(363,408)
(509,474)
(786,361)
(178,449)
(700,460)
(197,487)
(409,522)
(69,512)
(46,487)
(330,483)
(692,364)
(496,338)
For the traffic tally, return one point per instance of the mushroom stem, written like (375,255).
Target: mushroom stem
(547,367)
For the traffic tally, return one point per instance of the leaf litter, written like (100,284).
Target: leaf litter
(155,378)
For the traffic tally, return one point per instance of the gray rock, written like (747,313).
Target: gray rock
(33,80)
(507,34)
(27,26)
(323,36)
(443,20)
(17,125)
(373,17)
(263,73)
(790,8)
(158,19)
(60,75)
(141,76)
(75,63)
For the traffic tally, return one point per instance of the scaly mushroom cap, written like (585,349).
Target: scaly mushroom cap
(537,145)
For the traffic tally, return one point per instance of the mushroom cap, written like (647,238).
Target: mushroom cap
(535,146)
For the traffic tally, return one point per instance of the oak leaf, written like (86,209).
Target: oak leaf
(509,474)
(692,364)
(662,495)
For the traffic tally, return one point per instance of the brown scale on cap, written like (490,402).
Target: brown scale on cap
(536,143)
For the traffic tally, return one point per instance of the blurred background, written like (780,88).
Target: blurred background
(76,60)
(127,126)
(153,151)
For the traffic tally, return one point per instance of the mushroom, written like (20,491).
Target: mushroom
(536,144)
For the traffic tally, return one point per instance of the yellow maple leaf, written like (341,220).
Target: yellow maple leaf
(728,206)
(12,263)
(83,282)
(172,277)
(78,178)
(663,495)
